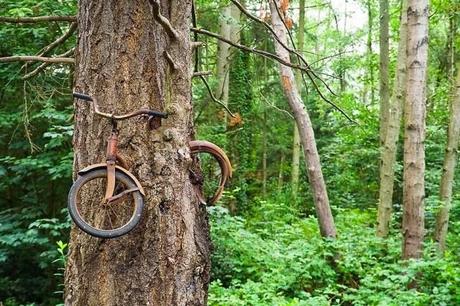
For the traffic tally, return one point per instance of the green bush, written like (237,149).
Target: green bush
(277,263)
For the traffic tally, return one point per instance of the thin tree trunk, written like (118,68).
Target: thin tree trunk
(223,55)
(414,116)
(370,22)
(228,23)
(264,156)
(384,42)
(121,61)
(298,77)
(281,172)
(315,175)
(390,144)
(450,162)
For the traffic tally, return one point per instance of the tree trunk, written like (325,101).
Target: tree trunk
(121,62)
(264,156)
(315,175)
(384,40)
(390,144)
(298,77)
(450,162)
(229,19)
(370,23)
(281,172)
(414,137)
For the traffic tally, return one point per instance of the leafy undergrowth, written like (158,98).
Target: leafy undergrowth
(268,261)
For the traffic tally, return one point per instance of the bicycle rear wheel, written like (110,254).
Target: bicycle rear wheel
(95,215)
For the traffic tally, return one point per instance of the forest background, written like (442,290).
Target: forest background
(267,248)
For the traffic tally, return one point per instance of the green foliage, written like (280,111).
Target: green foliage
(286,263)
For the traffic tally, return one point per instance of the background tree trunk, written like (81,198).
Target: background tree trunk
(370,23)
(384,40)
(450,162)
(389,147)
(298,77)
(414,129)
(121,61)
(229,19)
(315,175)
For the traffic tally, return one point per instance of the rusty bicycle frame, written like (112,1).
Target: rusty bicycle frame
(115,162)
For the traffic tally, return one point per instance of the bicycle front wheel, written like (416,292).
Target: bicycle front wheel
(97,217)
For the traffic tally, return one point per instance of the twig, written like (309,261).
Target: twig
(249,49)
(162,19)
(276,107)
(196,44)
(201,73)
(214,98)
(55,43)
(37,19)
(26,58)
(44,65)
(58,41)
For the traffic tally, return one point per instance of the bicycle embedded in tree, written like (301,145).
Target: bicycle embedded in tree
(120,204)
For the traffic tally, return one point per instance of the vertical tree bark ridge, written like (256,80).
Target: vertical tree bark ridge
(315,175)
(298,77)
(448,169)
(121,61)
(384,42)
(389,147)
(414,130)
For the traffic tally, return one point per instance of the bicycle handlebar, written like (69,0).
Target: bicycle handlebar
(139,112)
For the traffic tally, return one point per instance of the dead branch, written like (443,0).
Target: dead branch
(170,60)
(54,44)
(249,49)
(60,40)
(201,73)
(44,65)
(26,58)
(196,44)
(214,98)
(162,19)
(37,19)
(299,56)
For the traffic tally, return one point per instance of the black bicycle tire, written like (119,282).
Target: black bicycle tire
(93,231)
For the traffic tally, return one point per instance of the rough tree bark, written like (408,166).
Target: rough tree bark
(121,60)
(298,78)
(413,226)
(450,162)
(390,143)
(313,165)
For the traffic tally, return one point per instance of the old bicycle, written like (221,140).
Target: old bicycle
(117,192)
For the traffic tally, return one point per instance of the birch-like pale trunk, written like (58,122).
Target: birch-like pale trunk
(370,52)
(384,91)
(390,143)
(413,227)
(450,162)
(120,60)
(228,29)
(307,137)
(295,171)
